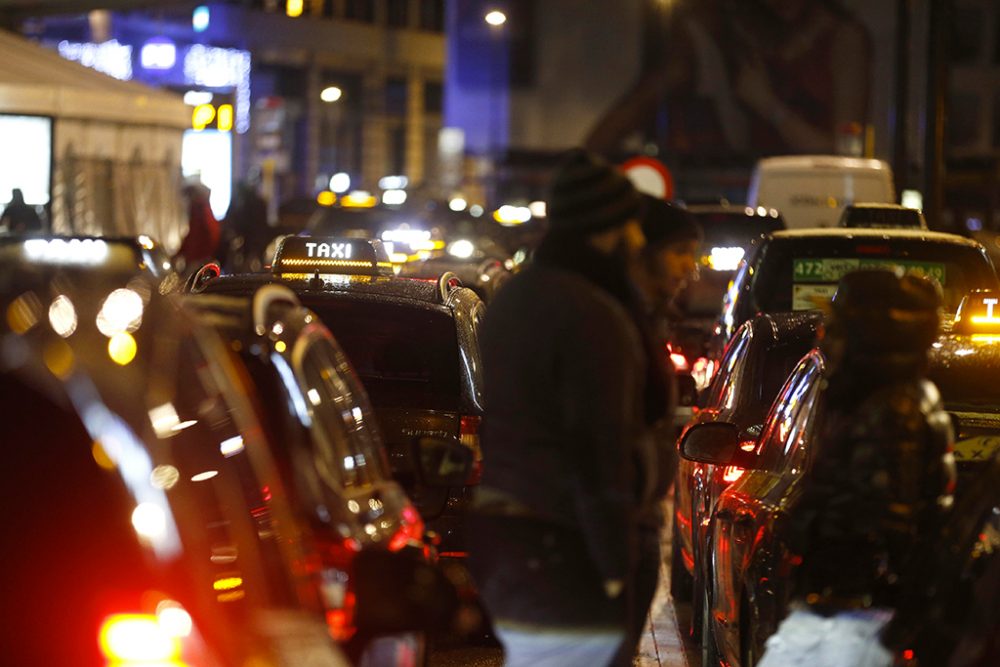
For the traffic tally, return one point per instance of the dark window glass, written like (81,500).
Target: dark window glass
(966,35)
(432,15)
(521,44)
(790,418)
(397,150)
(397,13)
(434,97)
(359,10)
(964,119)
(395,96)
(406,357)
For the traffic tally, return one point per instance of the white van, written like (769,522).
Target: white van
(812,190)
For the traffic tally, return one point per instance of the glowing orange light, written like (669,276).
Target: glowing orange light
(122,348)
(294,8)
(137,638)
(679,361)
(732,473)
(326,198)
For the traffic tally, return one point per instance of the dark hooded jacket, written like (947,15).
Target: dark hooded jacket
(565,457)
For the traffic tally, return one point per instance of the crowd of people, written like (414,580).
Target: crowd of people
(579,454)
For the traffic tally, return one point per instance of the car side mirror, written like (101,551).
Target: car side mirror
(443,461)
(711,442)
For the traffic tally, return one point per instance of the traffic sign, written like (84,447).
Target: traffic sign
(651,176)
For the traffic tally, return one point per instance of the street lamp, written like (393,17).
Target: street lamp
(331,94)
(496,18)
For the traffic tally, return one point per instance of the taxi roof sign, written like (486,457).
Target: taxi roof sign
(979,313)
(305,254)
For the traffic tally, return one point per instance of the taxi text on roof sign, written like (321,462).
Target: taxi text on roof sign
(979,313)
(302,254)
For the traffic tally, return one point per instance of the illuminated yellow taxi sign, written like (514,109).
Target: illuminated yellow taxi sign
(979,313)
(302,254)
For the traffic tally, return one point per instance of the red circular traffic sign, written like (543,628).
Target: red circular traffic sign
(651,176)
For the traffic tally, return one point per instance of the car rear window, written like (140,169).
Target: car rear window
(802,274)
(406,356)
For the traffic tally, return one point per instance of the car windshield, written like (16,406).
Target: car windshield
(802,274)
(406,356)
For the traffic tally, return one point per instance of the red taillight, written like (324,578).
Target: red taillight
(468,435)
(411,530)
(732,473)
(139,638)
(679,361)
(340,622)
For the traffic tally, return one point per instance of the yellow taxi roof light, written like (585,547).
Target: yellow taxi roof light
(359,199)
(978,313)
(331,255)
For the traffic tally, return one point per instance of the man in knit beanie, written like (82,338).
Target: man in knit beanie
(565,456)
(665,265)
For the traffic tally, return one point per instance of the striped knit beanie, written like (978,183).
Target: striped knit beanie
(588,195)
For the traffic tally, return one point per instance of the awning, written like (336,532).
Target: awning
(37,81)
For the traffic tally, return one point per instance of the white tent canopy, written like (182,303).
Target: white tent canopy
(37,81)
(116,145)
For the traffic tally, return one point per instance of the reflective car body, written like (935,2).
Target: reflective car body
(749,567)
(756,364)
(798,269)
(414,344)
(324,434)
(150,523)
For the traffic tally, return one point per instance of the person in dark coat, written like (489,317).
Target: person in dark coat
(881,479)
(245,230)
(19,217)
(666,264)
(565,453)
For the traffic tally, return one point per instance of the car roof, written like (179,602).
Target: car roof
(799,162)
(402,290)
(837,233)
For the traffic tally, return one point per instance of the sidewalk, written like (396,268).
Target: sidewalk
(663,644)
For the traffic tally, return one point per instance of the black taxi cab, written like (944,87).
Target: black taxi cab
(753,369)
(798,270)
(414,344)
(146,522)
(326,439)
(748,586)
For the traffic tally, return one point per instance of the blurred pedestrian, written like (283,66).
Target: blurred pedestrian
(666,264)
(881,477)
(565,457)
(245,230)
(202,239)
(19,217)
(948,613)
